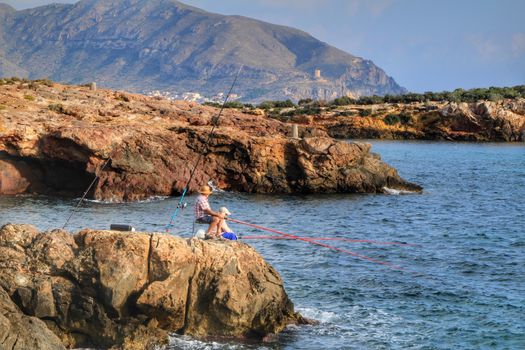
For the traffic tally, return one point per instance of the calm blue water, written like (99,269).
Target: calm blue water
(463,288)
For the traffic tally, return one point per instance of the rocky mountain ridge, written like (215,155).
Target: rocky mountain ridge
(147,45)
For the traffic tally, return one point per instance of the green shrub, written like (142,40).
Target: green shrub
(46,82)
(343,101)
(29,97)
(212,104)
(123,98)
(2,107)
(405,118)
(402,118)
(57,107)
(234,104)
(305,101)
(266,105)
(391,119)
(365,112)
(276,104)
(285,104)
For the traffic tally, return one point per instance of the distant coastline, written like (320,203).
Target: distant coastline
(480,115)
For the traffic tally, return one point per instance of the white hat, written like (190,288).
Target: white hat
(224,210)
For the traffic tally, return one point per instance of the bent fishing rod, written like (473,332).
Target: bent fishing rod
(215,122)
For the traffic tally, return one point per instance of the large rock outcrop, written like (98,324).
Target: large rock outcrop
(106,288)
(502,121)
(53,139)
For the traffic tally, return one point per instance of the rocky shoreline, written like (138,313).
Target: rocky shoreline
(55,138)
(130,290)
(482,121)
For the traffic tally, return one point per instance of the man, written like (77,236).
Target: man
(204,214)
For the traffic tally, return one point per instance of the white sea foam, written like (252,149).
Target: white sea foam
(213,187)
(114,201)
(319,315)
(187,343)
(394,192)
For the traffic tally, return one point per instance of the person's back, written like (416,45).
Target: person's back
(201,204)
(204,214)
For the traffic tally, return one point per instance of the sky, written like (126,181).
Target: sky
(425,45)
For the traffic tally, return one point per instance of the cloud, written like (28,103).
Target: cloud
(486,47)
(497,49)
(377,8)
(518,44)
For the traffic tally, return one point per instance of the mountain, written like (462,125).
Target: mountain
(144,45)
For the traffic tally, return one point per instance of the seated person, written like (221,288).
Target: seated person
(204,214)
(226,231)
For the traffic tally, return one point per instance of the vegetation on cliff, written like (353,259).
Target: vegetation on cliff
(483,114)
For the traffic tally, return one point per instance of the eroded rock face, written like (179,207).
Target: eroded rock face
(64,134)
(105,288)
(502,121)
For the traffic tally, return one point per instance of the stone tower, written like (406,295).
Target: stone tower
(317,74)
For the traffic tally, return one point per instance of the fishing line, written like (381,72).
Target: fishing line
(97,176)
(360,256)
(335,239)
(215,122)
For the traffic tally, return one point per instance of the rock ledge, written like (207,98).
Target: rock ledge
(130,290)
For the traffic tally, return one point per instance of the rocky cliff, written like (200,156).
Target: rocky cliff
(130,290)
(54,138)
(144,45)
(502,121)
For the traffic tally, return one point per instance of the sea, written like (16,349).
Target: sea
(457,281)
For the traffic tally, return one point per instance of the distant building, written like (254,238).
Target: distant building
(317,74)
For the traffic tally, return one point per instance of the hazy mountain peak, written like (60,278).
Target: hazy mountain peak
(6,8)
(144,45)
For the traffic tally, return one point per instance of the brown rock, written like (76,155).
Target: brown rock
(153,144)
(21,332)
(129,290)
(479,121)
(12,180)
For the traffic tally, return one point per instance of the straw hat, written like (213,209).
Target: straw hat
(224,210)
(205,190)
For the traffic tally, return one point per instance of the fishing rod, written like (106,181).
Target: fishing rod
(97,176)
(360,256)
(335,239)
(215,122)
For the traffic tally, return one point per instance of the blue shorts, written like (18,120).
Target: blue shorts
(207,219)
